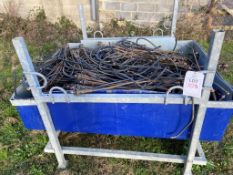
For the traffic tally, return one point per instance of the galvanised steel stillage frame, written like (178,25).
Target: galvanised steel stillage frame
(54,146)
(41,100)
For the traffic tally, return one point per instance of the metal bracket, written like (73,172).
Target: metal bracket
(39,75)
(207,71)
(98,31)
(169,91)
(158,29)
(60,89)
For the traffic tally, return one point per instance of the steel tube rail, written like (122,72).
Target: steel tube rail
(217,38)
(83,22)
(118,98)
(200,160)
(174,17)
(26,63)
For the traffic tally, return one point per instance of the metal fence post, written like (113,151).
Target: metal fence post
(27,65)
(217,38)
(174,17)
(83,22)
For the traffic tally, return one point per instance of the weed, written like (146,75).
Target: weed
(67,30)
(40,15)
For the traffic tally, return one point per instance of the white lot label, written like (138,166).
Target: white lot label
(193,82)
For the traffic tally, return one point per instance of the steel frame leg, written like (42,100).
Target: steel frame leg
(194,140)
(174,17)
(83,22)
(52,134)
(217,38)
(26,62)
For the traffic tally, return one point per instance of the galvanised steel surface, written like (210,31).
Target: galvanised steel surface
(198,160)
(174,17)
(83,22)
(93,10)
(26,63)
(213,57)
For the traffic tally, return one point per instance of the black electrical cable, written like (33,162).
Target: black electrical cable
(188,124)
(130,64)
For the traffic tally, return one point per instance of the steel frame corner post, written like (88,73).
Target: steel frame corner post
(174,17)
(217,38)
(27,65)
(83,22)
(93,10)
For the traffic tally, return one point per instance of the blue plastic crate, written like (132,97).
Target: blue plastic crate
(134,119)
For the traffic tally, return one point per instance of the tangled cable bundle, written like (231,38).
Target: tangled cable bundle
(125,65)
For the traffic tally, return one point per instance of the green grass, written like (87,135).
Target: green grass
(226,57)
(21,150)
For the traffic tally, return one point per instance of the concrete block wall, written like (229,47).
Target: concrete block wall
(142,12)
(54,9)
